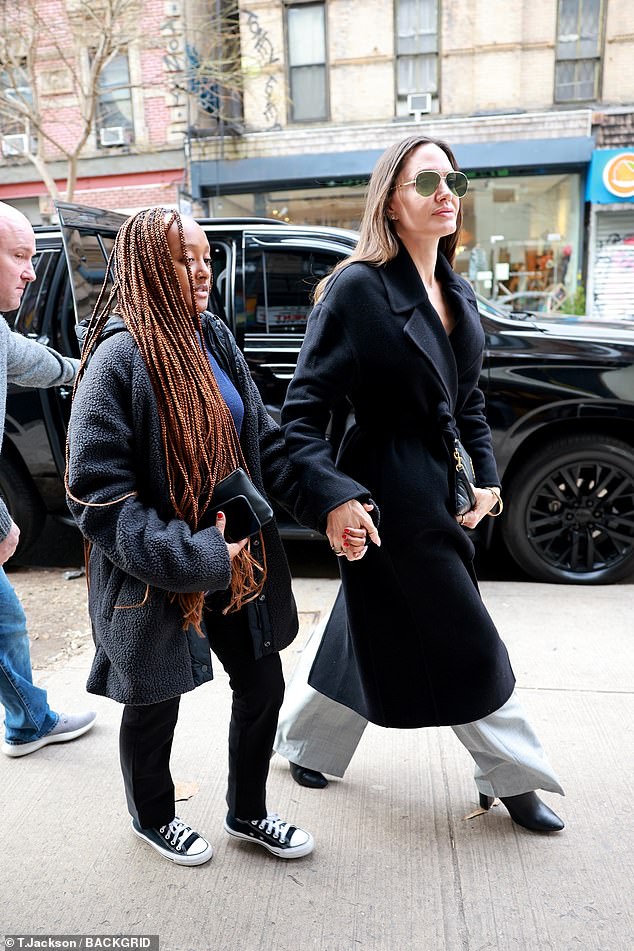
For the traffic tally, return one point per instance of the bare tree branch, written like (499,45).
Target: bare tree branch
(80,45)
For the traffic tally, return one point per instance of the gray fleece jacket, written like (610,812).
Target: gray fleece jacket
(141,553)
(27,363)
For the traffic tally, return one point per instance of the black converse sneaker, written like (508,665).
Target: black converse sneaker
(177,842)
(274,834)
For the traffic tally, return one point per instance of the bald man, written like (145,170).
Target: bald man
(29,721)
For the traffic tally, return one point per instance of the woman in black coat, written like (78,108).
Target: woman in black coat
(396,331)
(164,409)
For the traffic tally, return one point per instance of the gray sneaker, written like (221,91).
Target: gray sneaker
(68,727)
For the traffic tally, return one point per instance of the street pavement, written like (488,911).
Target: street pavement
(401,863)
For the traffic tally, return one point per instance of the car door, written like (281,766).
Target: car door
(273,301)
(88,235)
(32,461)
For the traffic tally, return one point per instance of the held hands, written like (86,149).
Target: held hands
(348,527)
(9,544)
(487,500)
(233,547)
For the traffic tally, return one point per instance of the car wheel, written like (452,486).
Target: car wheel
(25,506)
(570,511)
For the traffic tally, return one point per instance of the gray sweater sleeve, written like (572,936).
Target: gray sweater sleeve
(29,363)
(5,521)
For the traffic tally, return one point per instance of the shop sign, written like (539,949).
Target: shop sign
(611,177)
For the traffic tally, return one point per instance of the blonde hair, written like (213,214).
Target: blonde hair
(378,242)
(199,437)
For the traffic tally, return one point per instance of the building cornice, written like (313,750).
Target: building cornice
(298,140)
(98,167)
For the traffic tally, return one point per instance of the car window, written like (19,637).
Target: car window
(28,318)
(63,324)
(221,289)
(278,286)
(87,257)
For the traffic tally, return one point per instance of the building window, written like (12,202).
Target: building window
(306,34)
(416,50)
(16,102)
(579,47)
(215,71)
(115,124)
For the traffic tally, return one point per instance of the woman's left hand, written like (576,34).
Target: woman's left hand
(485,501)
(349,527)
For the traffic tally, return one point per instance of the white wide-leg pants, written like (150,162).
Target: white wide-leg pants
(318,733)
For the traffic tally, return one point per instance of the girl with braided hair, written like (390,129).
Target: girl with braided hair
(165,408)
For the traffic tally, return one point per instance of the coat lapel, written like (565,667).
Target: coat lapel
(406,293)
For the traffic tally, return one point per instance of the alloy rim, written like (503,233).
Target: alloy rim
(581,517)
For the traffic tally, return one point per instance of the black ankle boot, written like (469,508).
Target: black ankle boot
(527,811)
(308,777)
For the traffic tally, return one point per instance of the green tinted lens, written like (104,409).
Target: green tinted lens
(457,182)
(426,183)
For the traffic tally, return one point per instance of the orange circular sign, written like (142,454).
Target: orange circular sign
(618,175)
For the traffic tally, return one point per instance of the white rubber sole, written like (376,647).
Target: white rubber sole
(23,749)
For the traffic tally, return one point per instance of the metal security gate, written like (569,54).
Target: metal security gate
(611,272)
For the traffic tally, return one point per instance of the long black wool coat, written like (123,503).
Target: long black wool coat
(143,655)
(419,648)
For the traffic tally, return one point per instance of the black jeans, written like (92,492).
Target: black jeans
(145,739)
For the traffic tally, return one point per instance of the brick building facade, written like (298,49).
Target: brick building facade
(134,153)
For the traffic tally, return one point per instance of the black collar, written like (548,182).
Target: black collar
(404,285)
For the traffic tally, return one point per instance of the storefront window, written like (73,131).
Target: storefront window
(520,239)
(339,205)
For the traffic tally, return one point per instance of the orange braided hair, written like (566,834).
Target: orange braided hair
(198,433)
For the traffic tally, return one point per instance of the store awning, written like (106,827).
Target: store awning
(319,169)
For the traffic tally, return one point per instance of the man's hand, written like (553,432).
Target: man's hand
(10,543)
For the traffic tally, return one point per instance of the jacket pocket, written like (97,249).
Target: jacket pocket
(112,589)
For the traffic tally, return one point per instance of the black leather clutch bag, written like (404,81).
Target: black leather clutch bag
(465,479)
(245,509)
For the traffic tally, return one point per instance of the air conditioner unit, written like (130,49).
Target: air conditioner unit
(114,135)
(15,144)
(418,103)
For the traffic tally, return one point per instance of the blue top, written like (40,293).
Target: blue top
(228,391)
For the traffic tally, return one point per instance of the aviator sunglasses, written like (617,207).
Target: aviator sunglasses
(428,180)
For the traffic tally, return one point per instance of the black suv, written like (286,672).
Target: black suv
(560,394)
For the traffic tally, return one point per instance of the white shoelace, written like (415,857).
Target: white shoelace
(274,825)
(176,832)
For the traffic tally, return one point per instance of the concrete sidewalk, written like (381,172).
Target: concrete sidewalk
(398,865)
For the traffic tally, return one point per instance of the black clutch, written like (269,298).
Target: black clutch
(465,479)
(245,509)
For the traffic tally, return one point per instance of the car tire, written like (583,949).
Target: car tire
(24,504)
(569,514)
